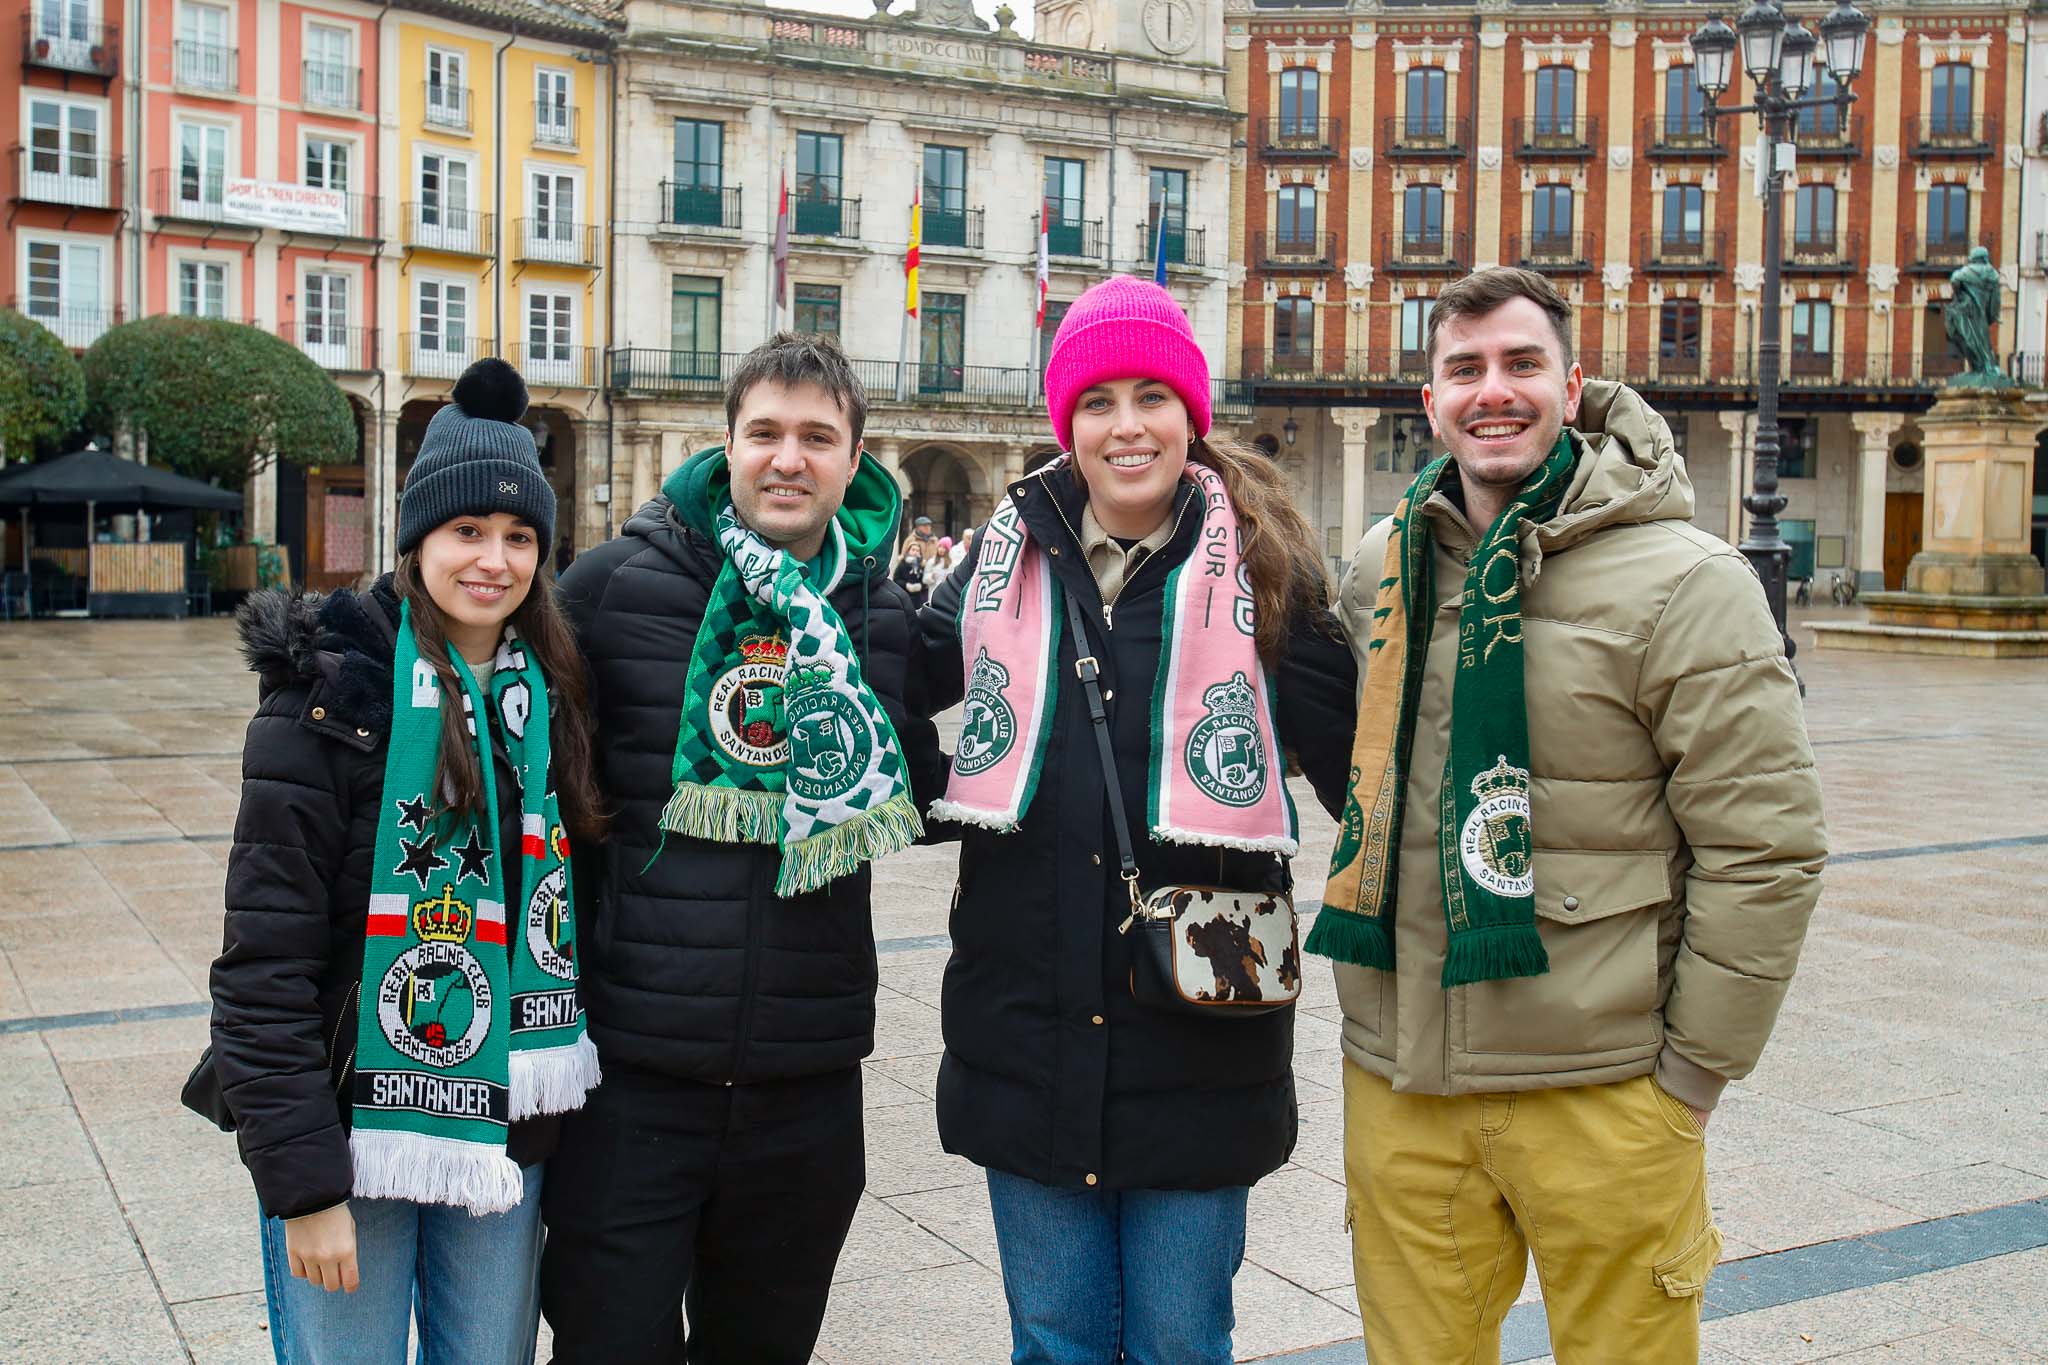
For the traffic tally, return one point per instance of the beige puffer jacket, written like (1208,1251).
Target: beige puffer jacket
(1675,805)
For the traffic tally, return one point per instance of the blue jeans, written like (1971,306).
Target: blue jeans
(1098,1276)
(474,1283)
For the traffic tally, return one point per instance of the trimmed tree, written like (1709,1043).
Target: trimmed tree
(42,388)
(216,400)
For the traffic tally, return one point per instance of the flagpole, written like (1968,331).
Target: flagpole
(912,286)
(774,221)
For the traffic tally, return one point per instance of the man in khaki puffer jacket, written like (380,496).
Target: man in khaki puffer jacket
(1675,824)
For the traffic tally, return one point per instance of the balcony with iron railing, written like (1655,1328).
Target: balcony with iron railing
(447,106)
(183,196)
(1180,245)
(345,350)
(1072,238)
(1551,135)
(1553,252)
(1835,252)
(686,208)
(1677,135)
(47,175)
(1831,137)
(1679,366)
(77,327)
(825,216)
(330,85)
(1952,134)
(960,230)
(555,366)
(554,241)
(554,125)
(212,67)
(1939,255)
(51,39)
(1283,139)
(440,355)
(1426,252)
(1294,250)
(459,232)
(1426,136)
(1682,253)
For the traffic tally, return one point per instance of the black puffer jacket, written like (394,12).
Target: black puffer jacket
(286,984)
(695,969)
(1052,1070)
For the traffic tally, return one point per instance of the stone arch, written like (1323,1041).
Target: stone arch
(554,437)
(947,485)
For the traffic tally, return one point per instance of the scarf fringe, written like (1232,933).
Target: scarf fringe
(392,1164)
(725,815)
(1284,845)
(959,814)
(809,863)
(1347,936)
(1494,953)
(554,1080)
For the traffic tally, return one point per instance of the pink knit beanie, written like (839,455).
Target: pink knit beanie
(1124,328)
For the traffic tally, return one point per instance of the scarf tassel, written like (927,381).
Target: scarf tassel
(391,1164)
(725,815)
(809,863)
(553,1080)
(1347,936)
(1494,953)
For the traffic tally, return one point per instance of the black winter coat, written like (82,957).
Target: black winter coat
(286,984)
(695,968)
(1052,1070)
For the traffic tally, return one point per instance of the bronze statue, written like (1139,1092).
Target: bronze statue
(1968,318)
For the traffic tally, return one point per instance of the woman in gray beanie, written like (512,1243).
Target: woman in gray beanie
(396,1023)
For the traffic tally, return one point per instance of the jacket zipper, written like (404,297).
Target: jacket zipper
(1109,604)
(354,998)
(751,975)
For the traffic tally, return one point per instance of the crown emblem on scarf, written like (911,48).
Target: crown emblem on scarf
(807,675)
(764,649)
(442,918)
(1234,699)
(987,675)
(1502,779)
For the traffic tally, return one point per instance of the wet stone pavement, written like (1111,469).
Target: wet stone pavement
(1879,1180)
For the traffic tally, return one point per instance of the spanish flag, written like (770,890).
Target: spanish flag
(910,256)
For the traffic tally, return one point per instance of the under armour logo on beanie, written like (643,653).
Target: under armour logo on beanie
(476,459)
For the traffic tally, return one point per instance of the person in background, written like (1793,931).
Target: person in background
(909,570)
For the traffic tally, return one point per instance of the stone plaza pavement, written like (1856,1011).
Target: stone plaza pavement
(1904,1092)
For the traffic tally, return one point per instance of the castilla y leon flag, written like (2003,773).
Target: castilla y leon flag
(910,256)
(1044,261)
(782,247)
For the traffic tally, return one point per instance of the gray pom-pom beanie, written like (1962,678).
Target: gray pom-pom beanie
(476,459)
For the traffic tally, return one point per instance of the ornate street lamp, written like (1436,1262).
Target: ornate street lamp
(1778,54)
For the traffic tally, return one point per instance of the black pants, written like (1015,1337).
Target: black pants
(729,1201)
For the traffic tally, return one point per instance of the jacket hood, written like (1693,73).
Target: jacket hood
(346,638)
(868,517)
(1629,469)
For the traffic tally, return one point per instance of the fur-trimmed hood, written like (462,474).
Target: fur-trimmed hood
(340,644)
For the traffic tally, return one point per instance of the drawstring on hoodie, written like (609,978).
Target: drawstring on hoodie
(867,563)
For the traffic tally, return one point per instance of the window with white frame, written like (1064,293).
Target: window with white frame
(205,58)
(66,288)
(64,163)
(202,288)
(330,74)
(66,25)
(442,217)
(202,169)
(550,336)
(324,317)
(1414,329)
(327,161)
(441,342)
(551,216)
(554,117)
(447,95)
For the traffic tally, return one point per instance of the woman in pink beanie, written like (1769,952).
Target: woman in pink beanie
(1121,1135)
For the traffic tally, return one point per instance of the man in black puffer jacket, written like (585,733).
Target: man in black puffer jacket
(720,1163)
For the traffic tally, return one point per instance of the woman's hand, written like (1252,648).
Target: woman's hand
(322,1248)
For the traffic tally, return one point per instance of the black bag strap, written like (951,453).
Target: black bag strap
(1089,670)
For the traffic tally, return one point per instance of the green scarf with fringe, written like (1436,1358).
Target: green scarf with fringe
(1484,844)
(781,740)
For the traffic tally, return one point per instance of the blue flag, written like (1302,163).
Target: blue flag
(1159,250)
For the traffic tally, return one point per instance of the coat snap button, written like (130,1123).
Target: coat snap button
(319,713)
(1098,1018)
(362,733)
(1091,1177)
(1571,902)
(1095,858)
(1052,549)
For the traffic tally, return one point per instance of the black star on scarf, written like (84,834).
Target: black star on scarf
(475,856)
(420,860)
(413,813)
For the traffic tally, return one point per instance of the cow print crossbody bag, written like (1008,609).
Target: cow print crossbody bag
(1203,950)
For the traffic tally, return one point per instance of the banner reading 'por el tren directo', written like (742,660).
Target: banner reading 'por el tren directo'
(269,203)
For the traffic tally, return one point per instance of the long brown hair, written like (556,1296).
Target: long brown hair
(458,781)
(1281,556)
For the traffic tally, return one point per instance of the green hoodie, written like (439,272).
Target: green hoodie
(869,516)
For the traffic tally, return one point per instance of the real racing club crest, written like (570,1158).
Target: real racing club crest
(988,724)
(1225,754)
(747,720)
(1494,841)
(434,1003)
(549,935)
(830,742)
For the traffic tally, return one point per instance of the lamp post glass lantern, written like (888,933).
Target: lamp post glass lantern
(1778,53)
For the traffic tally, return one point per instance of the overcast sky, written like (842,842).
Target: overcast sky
(865,8)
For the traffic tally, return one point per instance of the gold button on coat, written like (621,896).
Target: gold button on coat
(1091,1177)
(319,713)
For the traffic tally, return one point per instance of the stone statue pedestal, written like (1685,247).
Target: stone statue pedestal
(1974,589)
